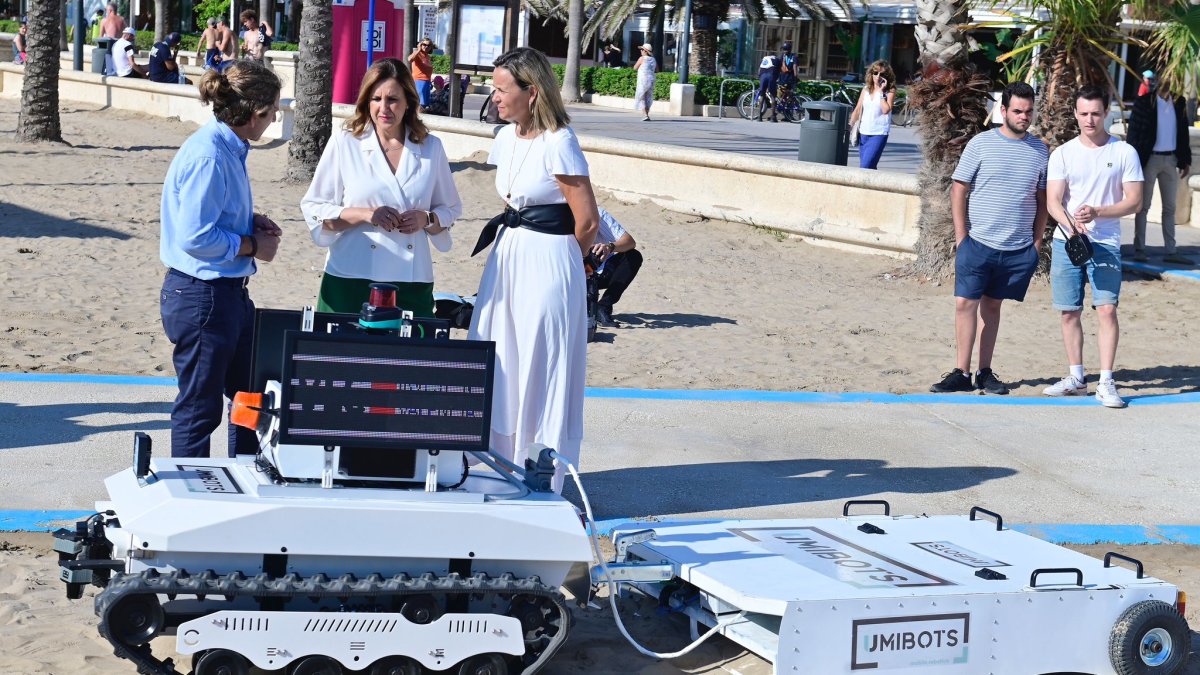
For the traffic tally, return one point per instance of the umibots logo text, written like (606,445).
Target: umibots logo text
(910,642)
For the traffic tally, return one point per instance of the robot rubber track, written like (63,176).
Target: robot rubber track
(346,588)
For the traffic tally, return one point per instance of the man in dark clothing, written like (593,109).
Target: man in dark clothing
(768,77)
(163,66)
(1158,130)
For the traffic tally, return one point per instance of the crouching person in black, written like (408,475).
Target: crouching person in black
(620,261)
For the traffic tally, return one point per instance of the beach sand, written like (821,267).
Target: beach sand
(716,306)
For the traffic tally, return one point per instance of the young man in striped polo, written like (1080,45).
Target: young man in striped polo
(998,201)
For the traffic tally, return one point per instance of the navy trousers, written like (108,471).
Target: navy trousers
(211,324)
(616,275)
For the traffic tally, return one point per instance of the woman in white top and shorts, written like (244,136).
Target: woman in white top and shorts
(874,113)
(532,299)
(381,193)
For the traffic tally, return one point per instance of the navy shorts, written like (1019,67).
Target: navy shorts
(981,270)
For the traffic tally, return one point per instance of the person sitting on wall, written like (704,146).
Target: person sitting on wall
(163,67)
(122,56)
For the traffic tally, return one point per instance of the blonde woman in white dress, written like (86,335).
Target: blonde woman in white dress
(532,299)
(645,67)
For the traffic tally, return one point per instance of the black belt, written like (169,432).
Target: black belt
(1163,152)
(545,218)
(236,282)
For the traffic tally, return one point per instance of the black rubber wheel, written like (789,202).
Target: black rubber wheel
(1150,638)
(745,105)
(421,609)
(396,665)
(136,619)
(484,664)
(220,662)
(316,665)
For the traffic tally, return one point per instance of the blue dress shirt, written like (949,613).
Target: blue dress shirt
(207,206)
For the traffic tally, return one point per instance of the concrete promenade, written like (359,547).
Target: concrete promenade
(1073,470)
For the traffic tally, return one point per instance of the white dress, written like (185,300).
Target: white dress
(533,304)
(645,84)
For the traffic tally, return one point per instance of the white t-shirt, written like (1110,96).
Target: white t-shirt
(1164,137)
(120,56)
(526,168)
(1094,176)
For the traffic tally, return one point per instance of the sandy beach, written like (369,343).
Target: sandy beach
(717,305)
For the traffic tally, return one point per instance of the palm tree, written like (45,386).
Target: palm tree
(570,90)
(1074,42)
(38,120)
(1175,47)
(951,98)
(314,91)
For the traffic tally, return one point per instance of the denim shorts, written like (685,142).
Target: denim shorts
(1103,272)
(981,270)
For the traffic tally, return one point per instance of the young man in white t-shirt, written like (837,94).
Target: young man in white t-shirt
(1092,181)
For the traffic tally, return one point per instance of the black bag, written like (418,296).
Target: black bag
(1079,247)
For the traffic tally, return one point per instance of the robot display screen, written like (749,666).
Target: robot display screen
(386,392)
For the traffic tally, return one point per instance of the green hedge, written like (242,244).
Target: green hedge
(7,26)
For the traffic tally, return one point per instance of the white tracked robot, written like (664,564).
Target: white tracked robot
(357,541)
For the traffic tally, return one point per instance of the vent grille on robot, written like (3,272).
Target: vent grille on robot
(350,625)
(246,625)
(469,626)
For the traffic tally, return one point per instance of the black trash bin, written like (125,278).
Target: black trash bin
(100,53)
(825,133)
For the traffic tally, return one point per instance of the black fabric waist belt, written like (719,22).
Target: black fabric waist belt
(544,218)
(1162,152)
(236,282)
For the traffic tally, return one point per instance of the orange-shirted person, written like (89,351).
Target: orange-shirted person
(421,64)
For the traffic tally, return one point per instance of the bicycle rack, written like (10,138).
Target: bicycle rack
(721,95)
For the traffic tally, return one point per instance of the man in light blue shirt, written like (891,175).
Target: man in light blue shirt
(209,242)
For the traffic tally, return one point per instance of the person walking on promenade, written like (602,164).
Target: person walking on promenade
(998,201)
(381,194)
(646,66)
(873,113)
(532,298)
(207,45)
(1158,130)
(211,238)
(1092,181)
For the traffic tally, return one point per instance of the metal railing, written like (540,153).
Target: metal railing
(721,94)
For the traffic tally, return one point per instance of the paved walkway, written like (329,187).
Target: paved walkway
(1124,475)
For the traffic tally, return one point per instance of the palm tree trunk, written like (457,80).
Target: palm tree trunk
(266,13)
(570,90)
(410,23)
(951,101)
(314,91)
(38,120)
(294,12)
(160,20)
(703,57)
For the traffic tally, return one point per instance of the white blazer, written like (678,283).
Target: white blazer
(353,172)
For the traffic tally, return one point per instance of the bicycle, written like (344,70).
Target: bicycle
(903,114)
(842,93)
(787,105)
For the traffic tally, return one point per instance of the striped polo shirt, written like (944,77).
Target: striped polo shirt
(1005,175)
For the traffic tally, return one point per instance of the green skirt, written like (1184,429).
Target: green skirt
(347,296)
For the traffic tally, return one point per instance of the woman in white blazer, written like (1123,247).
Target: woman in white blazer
(381,193)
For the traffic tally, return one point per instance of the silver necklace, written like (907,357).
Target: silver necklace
(511,177)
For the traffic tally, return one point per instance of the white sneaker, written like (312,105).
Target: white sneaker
(1106,394)
(1068,386)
